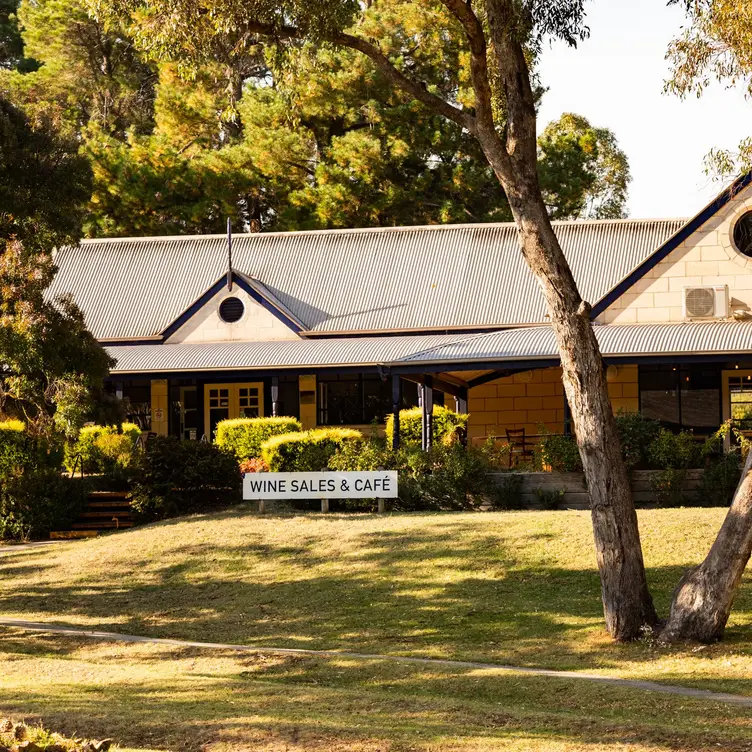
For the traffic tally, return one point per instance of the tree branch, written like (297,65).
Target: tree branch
(415,88)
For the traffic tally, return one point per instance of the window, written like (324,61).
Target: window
(687,397)
(743,234)
(740,396)
(357,399)
(231,310)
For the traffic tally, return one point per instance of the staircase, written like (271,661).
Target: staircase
(105,510)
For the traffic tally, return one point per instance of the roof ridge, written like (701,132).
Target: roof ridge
(375,230)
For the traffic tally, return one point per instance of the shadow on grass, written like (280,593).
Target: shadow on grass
(492,606)
(305,703)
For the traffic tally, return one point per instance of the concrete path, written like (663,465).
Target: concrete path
(670,689)
(5,550)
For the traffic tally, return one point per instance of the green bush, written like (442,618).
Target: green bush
(674,451)
(549,499)
(100,453)
(176,477)
(446,477)
(666,486)
(244,436)
(34,502)
(636,434)
(560,453)
(445,425)
(306,450)
(720,479)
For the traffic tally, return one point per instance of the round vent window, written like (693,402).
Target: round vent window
(743,234)
(231,310)
(700,302)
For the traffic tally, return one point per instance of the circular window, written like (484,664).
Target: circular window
(231,310)
(743,234)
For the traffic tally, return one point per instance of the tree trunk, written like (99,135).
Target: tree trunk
(627,604)
(702,601)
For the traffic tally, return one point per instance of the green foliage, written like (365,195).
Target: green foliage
(509,491)
(720,479)
(449,476)
(32,503)
(674,451)
(176,477)
(445,425)
(549,498)
(560,453)
(104,449)
(306,450)
(636,434)
(244,436)
(667,486)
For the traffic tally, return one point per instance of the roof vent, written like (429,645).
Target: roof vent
(231,310)
(706,302)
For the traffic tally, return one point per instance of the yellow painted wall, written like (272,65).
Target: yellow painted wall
(159,407)
(307,387)
(536,398)
(707,257)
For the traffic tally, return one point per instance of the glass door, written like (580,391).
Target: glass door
(223,401)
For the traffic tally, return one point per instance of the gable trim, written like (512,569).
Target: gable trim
(215,289)
(671,244)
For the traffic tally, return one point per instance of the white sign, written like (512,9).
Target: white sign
(378,484)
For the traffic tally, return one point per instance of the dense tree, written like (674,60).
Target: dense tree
(482,83)
(50,366)
(316,138)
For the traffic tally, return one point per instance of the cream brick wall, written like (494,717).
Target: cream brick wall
(257,323)
(535,399)
(707,257)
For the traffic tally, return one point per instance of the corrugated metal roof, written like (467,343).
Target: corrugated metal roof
(219,356)
(433,350)
(373,280)
(691,338)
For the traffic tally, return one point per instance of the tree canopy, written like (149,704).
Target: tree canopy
(313,137)
(715,45)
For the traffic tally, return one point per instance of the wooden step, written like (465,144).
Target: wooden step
(109,504)
(69,534)
(126,515)
(102,525)
(99,495)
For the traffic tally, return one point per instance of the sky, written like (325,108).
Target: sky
(615,79)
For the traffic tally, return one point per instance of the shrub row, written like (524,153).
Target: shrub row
(244,437)
(103,449)
(446,424)
(306,450)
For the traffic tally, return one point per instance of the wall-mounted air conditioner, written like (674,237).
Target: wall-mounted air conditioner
(706,302)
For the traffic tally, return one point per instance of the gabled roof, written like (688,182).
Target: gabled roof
(381,280)
(253,287)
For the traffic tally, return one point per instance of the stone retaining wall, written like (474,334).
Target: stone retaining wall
(575,490)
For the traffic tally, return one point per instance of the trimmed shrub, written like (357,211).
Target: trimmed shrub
(244,436)
(306,450)
(560,453)
(445,425)
(34,502)
(100,453)
(176,477)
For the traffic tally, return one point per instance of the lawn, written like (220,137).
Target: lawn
(516,588)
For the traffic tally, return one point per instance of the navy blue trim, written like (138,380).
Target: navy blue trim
(266,303)
(671,244)
(190,312)
(129,342)
(216,288)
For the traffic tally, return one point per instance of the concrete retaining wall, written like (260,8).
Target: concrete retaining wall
(575,490)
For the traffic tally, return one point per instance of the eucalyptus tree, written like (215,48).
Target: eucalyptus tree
(485,87)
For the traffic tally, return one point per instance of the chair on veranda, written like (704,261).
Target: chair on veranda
(517,449)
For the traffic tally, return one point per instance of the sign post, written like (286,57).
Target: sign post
(375,484)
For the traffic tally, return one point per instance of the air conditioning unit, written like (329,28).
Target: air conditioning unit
(707,302)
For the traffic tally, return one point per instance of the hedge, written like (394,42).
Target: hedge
(445,424)
(100,453)
(244,436)
(306,450)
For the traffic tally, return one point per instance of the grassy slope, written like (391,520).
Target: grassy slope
(509,587)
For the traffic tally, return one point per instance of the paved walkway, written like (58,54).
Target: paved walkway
(5,550)
(670,689)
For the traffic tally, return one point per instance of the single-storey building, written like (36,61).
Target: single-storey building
(346,326)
